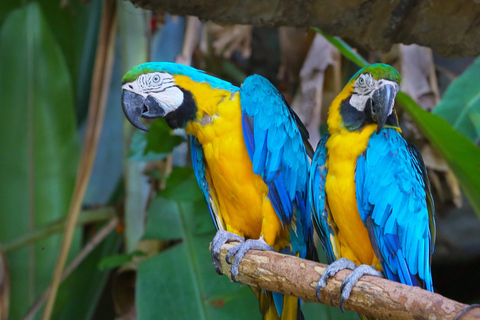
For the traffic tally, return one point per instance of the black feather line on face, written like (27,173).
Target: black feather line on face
(351,117)
(356,120)
(183,114)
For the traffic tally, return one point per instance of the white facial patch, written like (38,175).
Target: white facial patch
(363,89)
(159,85)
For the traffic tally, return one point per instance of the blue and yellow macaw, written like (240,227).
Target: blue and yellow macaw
(249,154)
(369,190)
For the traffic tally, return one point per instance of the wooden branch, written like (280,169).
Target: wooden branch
(448,27)
(377,297)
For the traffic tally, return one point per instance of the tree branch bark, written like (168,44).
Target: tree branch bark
(449,27)
(377,297)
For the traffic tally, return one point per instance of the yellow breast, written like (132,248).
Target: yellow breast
(242,195)
(344,148)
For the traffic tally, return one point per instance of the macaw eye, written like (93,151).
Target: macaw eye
(361,81)
(156,78)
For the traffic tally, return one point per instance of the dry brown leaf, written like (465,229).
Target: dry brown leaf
(308,99)
(227,39)
(438,168)
(418,80)
(123,292)
(190,41)
(4,286)
(294,46)
(455,190)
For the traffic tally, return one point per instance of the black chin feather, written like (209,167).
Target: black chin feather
(352,118)
(183,114)
(356,120)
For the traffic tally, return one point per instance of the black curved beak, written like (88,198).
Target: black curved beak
(382,104)
(135,106)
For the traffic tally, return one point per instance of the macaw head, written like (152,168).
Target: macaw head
(371,98)
(168,90)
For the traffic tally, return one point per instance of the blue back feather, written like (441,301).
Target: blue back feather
(317,196)
(278,150)
(198,164)
(395,203)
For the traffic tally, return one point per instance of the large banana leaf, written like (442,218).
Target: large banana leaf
(461,154)
(460,104)
(180,283)
(39,147)
(133,52)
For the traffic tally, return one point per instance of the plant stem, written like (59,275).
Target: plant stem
(96,240)
(86,216)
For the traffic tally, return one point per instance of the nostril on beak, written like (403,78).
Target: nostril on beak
(131,87)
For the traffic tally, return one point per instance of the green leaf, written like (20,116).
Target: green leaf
(163,220)
(160,138)
(155,144)
(180,283)
(117,260)
(345,49)
(87,282)
(460,104)
(133,47)
(182,186)
(461,154)
(39,147)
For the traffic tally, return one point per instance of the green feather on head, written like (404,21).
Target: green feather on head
(379,71)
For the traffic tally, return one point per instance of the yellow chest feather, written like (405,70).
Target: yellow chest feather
(344,148)
(242,195)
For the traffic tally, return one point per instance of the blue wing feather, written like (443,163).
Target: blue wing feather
(278,153)
(316,197)
(395,203)
(278,150)
(198,164)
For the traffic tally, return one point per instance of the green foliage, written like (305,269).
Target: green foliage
(180,283)
(460,104)
(39,147)
(461,154)
(117,260)
(155,144)
(86,282)
(133,51)
(182,186)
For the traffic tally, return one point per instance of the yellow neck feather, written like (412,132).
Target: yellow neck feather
(334,121)
(206,97)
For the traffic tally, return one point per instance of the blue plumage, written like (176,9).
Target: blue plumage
(277,145)
(198,164)
(317,196)
(277,150)
(395,203)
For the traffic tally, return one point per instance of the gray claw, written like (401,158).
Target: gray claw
(218,241)
(353,278)
(240,250)
(221,238)
(331,270)
(216,264)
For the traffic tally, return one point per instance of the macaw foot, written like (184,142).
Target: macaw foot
(240,250)
(331,270)
(353,278)
(219,240)
(462,312)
